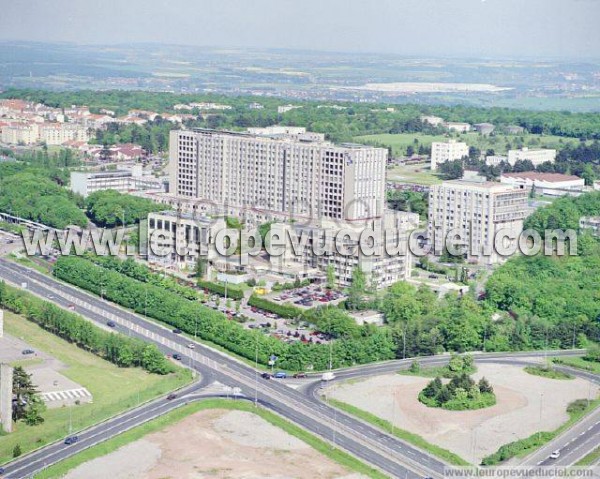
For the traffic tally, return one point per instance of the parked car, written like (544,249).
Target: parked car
(27,351)
(71,440)
(111,324)
(171,396)
(280,375)
(177,331)
(177,356)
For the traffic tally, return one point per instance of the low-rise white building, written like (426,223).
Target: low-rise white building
(551,184)
(178,240)
(432,120)
(381,269)
(87,182)
(484,128)
(590,223)
(458,126)
(495,160)
(537,157)
(447,151)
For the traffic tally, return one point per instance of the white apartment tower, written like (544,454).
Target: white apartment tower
(447,151)
(477,210)
(279,169)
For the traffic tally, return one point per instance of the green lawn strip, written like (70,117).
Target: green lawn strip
(592,458)
(435,372)
(407,436)
(24,363)
(29,263)
(524,447)
(578,362)
(547,372)
(114,389)
(342,458)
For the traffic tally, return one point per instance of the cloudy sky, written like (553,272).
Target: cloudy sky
(490,28)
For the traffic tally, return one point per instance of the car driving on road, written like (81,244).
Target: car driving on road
(71,440)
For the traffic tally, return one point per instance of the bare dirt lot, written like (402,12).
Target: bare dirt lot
(214,443)
(470,434)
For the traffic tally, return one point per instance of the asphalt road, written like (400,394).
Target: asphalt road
(394,457)
(360,439)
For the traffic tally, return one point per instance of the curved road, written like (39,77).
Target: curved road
(383,451)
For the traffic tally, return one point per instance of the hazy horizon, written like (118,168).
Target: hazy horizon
(494,29)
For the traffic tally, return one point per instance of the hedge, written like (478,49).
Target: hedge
(233,292)
(191,316)
(283,310)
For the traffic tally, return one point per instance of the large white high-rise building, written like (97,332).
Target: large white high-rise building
(280,169)
(477,211)
(447,151)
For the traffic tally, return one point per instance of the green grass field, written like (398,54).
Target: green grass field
(578,363)
(114,389)
(499,143)
(58,470)
(418,174)
(547,372)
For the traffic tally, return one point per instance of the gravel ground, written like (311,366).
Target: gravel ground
(525,404)
(215,444)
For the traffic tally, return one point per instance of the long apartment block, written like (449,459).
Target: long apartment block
(279,169)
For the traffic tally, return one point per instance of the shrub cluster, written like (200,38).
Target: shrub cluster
(459,394)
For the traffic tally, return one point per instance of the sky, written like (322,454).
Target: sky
(438,28)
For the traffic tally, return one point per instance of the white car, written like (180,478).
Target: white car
(191,346)
(555,455)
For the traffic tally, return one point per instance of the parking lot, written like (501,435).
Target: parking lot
(274,325)
(308,297)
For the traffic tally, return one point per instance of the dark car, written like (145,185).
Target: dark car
(111,324)
(177,331)
(300,375)
(71,440)
(2,470)
(171,396)
(177,356)
(27,351)
(265,376)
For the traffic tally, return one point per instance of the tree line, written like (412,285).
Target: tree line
(116,348)
(339,124)
(368,345)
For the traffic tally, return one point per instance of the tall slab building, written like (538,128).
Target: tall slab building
(282,169)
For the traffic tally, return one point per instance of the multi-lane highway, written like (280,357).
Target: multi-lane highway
(385,452)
